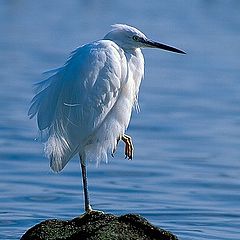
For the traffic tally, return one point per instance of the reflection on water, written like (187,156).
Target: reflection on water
(185,174)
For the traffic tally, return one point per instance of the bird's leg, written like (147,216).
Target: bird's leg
(128,146)
(88,208)
(85,188)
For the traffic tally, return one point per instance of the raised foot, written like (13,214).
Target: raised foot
(128,146)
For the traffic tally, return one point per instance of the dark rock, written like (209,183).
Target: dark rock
(98,226)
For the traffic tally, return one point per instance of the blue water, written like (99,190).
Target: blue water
(185,176)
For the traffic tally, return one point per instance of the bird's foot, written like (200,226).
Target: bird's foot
(95,212)
(90,210)
(128,146)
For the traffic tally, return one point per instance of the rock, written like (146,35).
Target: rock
(98,226)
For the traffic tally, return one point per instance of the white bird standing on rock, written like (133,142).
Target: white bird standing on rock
(85,106)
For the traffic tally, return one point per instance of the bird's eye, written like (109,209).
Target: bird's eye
(135,38)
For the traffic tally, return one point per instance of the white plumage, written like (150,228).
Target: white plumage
(85,106)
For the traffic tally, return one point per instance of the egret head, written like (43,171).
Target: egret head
(130,38)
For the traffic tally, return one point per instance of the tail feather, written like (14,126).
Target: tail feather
(51,124)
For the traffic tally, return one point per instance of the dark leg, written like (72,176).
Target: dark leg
(85,188)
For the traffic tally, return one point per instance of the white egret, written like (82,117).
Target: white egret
(84,107)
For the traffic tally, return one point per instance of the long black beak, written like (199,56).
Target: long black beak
(150,43)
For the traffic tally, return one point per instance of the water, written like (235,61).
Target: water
(185,176)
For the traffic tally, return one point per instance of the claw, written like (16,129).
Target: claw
(128,147)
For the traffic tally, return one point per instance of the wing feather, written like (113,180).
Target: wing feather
(72,103)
